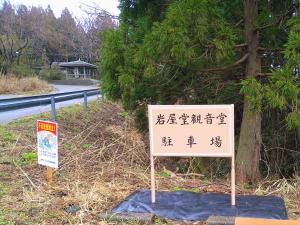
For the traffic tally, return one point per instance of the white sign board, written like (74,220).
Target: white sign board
(192,130)
(47,143)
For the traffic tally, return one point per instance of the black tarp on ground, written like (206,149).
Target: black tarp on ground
(185,205)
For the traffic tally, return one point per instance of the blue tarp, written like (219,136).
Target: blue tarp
(185,205)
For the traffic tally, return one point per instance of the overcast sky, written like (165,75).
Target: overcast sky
(74,6)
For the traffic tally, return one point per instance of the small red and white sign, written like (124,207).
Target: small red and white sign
(47,143)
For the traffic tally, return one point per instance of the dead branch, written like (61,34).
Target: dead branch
(97,10)
(262,49)
(190,174)
(240,22)
(25,174)
(16,164)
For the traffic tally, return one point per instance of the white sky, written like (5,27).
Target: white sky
(74,6)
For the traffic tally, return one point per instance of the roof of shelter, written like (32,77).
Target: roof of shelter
(77,63)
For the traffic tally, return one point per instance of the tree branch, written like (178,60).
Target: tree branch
(97,10)
(240,61)
(263,74)
(242,45)
(11,41)
(280,18)
(240,22)
(270,49)
(20,49)
(3,49)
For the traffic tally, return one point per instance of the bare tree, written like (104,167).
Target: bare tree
(10,49)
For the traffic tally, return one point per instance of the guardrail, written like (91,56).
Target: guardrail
(44,96)
(40,100)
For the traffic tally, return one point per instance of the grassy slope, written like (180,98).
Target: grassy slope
(96,171)
(102,160)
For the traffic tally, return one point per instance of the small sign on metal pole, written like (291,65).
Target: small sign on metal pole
(47,144)
(192,130)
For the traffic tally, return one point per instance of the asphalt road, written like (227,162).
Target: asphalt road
(6,117)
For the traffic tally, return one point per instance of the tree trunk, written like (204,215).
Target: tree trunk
(248,154)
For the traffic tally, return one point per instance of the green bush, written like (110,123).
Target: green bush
(51,74)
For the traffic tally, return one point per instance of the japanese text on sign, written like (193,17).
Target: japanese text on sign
(47,143)
(183,130)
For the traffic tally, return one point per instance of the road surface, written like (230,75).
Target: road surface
(6,117)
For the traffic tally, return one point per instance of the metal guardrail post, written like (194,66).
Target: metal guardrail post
(85,100)
(53,110)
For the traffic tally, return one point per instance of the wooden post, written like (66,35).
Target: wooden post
(152,179)
(232,181)
(49,175)
(232,159)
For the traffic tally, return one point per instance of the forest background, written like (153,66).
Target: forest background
(31,38)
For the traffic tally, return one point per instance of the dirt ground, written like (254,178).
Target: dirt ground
(102,160)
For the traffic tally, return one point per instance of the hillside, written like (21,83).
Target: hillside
(102,160)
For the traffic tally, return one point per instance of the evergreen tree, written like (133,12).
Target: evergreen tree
(198,52)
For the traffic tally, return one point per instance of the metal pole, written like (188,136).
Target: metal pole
(85,100)
(53,110)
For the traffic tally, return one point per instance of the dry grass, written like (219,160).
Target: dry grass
(10,84)
(102,160)
(289,190)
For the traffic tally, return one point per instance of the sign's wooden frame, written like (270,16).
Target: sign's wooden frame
(230,155)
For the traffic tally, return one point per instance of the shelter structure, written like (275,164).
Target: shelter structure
(78,69)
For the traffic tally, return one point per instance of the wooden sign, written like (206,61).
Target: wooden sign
(47,145)
(192,130)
